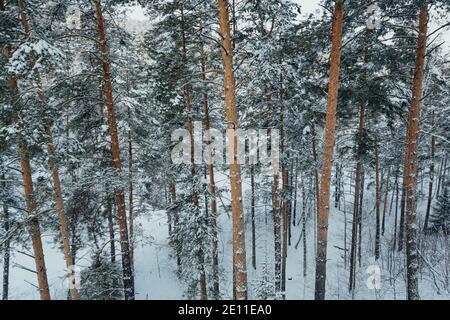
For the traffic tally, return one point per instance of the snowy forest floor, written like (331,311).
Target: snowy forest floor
(155,266)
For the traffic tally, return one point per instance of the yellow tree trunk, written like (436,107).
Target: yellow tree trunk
(239,253)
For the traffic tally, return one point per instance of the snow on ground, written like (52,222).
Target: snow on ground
(155,266)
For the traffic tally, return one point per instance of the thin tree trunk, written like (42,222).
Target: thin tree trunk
(411,159)
(212,191)
(356,204)
(294,214)
(304,229)
(360,216)
(397,191)
(195,200)
(401,226)
(316,170)
(252,214)
(6,244)
(239,253)
(430,183)
(173,196)
(276,201)
(284,186)
(30,203)
(52,163)
(330,127)
(385,202)
(112,242)
(441,167)
(128,277)
(377,204)
(130,187)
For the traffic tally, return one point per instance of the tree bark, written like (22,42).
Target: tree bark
(212,191)
(173,196)
(284,187)
(275,200)
(52,163)
(195,197)
(128,277)
(330,127)
(430,183)
(239,253)
(356,203)
(6,244)
(377,205)
(385,202)
(411,159)
(112,241)
(252,214)
(34,227)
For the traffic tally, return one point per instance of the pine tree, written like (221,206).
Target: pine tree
(324,199)
(239,252)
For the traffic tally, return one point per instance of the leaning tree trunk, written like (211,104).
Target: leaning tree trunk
(330,127)
(430,183)
(239,253)
(34,227)
(52,163)
(128,277)
(411,159)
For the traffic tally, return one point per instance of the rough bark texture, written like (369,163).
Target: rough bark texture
(239,253)
(128,278)
(411,159)
(330,127)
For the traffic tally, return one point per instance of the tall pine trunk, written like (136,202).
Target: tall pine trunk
(239,253)
(34,227)
(330,127)
(128,277)
(52,163)
(411,159)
